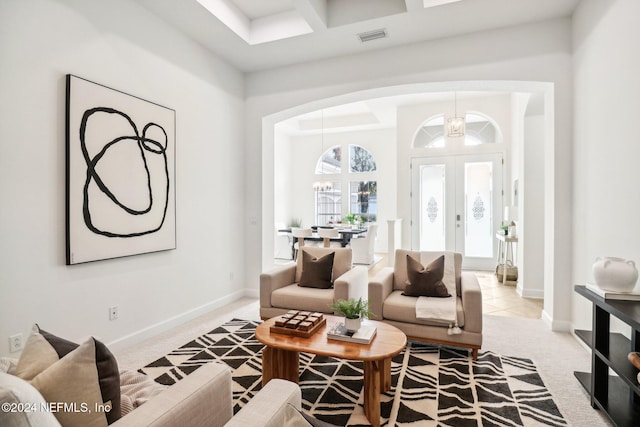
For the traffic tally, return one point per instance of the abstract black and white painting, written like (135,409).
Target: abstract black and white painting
(120,174)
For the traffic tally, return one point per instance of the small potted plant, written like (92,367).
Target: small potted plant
(353,311)
(295,223)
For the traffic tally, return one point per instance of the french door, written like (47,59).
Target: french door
(456,206)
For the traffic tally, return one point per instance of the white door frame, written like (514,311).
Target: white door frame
(455,203)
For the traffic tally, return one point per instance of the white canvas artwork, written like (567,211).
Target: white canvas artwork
(120,174)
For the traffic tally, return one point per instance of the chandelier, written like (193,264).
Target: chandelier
(455,124)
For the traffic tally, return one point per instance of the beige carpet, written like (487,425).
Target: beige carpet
(556,355)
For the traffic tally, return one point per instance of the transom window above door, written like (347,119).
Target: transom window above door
(479,129)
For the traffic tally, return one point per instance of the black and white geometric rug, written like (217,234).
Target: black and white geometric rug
(431,386)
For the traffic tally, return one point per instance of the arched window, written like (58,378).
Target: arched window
(351,191)
(431,133)
(479,129)
(330,162)
(360,159)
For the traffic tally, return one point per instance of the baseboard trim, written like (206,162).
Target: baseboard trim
(556,325)
(252,293)
(530,293)
(155,329)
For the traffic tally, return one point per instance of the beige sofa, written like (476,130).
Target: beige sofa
(202,399)
(279,290)
(388,304)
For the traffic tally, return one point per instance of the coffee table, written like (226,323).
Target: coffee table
(280,357)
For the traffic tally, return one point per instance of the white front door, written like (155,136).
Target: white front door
(456,206)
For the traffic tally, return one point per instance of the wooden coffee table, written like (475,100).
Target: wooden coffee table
(280,357)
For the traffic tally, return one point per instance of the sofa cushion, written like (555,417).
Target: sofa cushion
(425,281)
(14,391)
(402,308)
(41,350)
(294,297)
(88,381)
(341,260)
(317,271)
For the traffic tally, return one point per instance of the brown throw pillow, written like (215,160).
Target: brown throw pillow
(88,381)
(316,272)
(425,282)
(46,361)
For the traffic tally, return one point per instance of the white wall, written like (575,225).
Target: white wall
(531,53)
(606,108)
(120,45)
(531,209)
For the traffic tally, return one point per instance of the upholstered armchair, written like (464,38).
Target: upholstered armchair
(387,302)
(280,290)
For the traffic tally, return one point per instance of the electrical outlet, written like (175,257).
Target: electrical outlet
(15,343)
(113,312)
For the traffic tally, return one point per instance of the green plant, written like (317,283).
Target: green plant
(295,222)
(352,308)
(368,217)
(352,218)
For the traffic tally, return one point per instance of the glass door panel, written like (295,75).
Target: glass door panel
(454,205)
(478,232)
(432,207)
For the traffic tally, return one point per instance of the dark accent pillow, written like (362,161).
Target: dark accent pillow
(86,378)
(41,350)
(425,281)
(316,272)
(48,360)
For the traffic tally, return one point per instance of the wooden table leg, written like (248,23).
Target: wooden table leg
(385,375)
(373,371)
(279,363)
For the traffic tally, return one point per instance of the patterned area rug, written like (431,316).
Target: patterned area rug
(432,386)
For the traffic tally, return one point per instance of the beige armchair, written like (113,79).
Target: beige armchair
(388,304)
(279,290)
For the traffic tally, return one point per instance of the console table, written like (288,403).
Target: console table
(618,396)
(505,252)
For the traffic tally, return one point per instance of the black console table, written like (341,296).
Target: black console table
(617,395)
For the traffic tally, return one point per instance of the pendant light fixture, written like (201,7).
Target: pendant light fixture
(455,124)
(322,185)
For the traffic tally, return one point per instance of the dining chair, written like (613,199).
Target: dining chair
(283,242)
(327,234)
(363,247)
(299,234)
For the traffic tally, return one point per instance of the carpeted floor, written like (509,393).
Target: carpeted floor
(556,354)
(431,386)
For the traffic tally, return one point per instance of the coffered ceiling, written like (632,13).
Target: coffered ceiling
(260,34)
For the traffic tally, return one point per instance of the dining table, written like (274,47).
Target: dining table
(345,236)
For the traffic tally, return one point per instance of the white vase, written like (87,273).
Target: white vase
(615,274)
(352,325)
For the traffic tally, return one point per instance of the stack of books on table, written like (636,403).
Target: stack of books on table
(364,335)
(622,296)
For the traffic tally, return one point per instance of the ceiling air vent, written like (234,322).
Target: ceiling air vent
(372,35)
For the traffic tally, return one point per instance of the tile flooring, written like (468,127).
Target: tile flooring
(498,299)
(503,300)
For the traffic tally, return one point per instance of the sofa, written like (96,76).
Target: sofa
(204,398)
(201,399)
(279,290)
(387,303)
